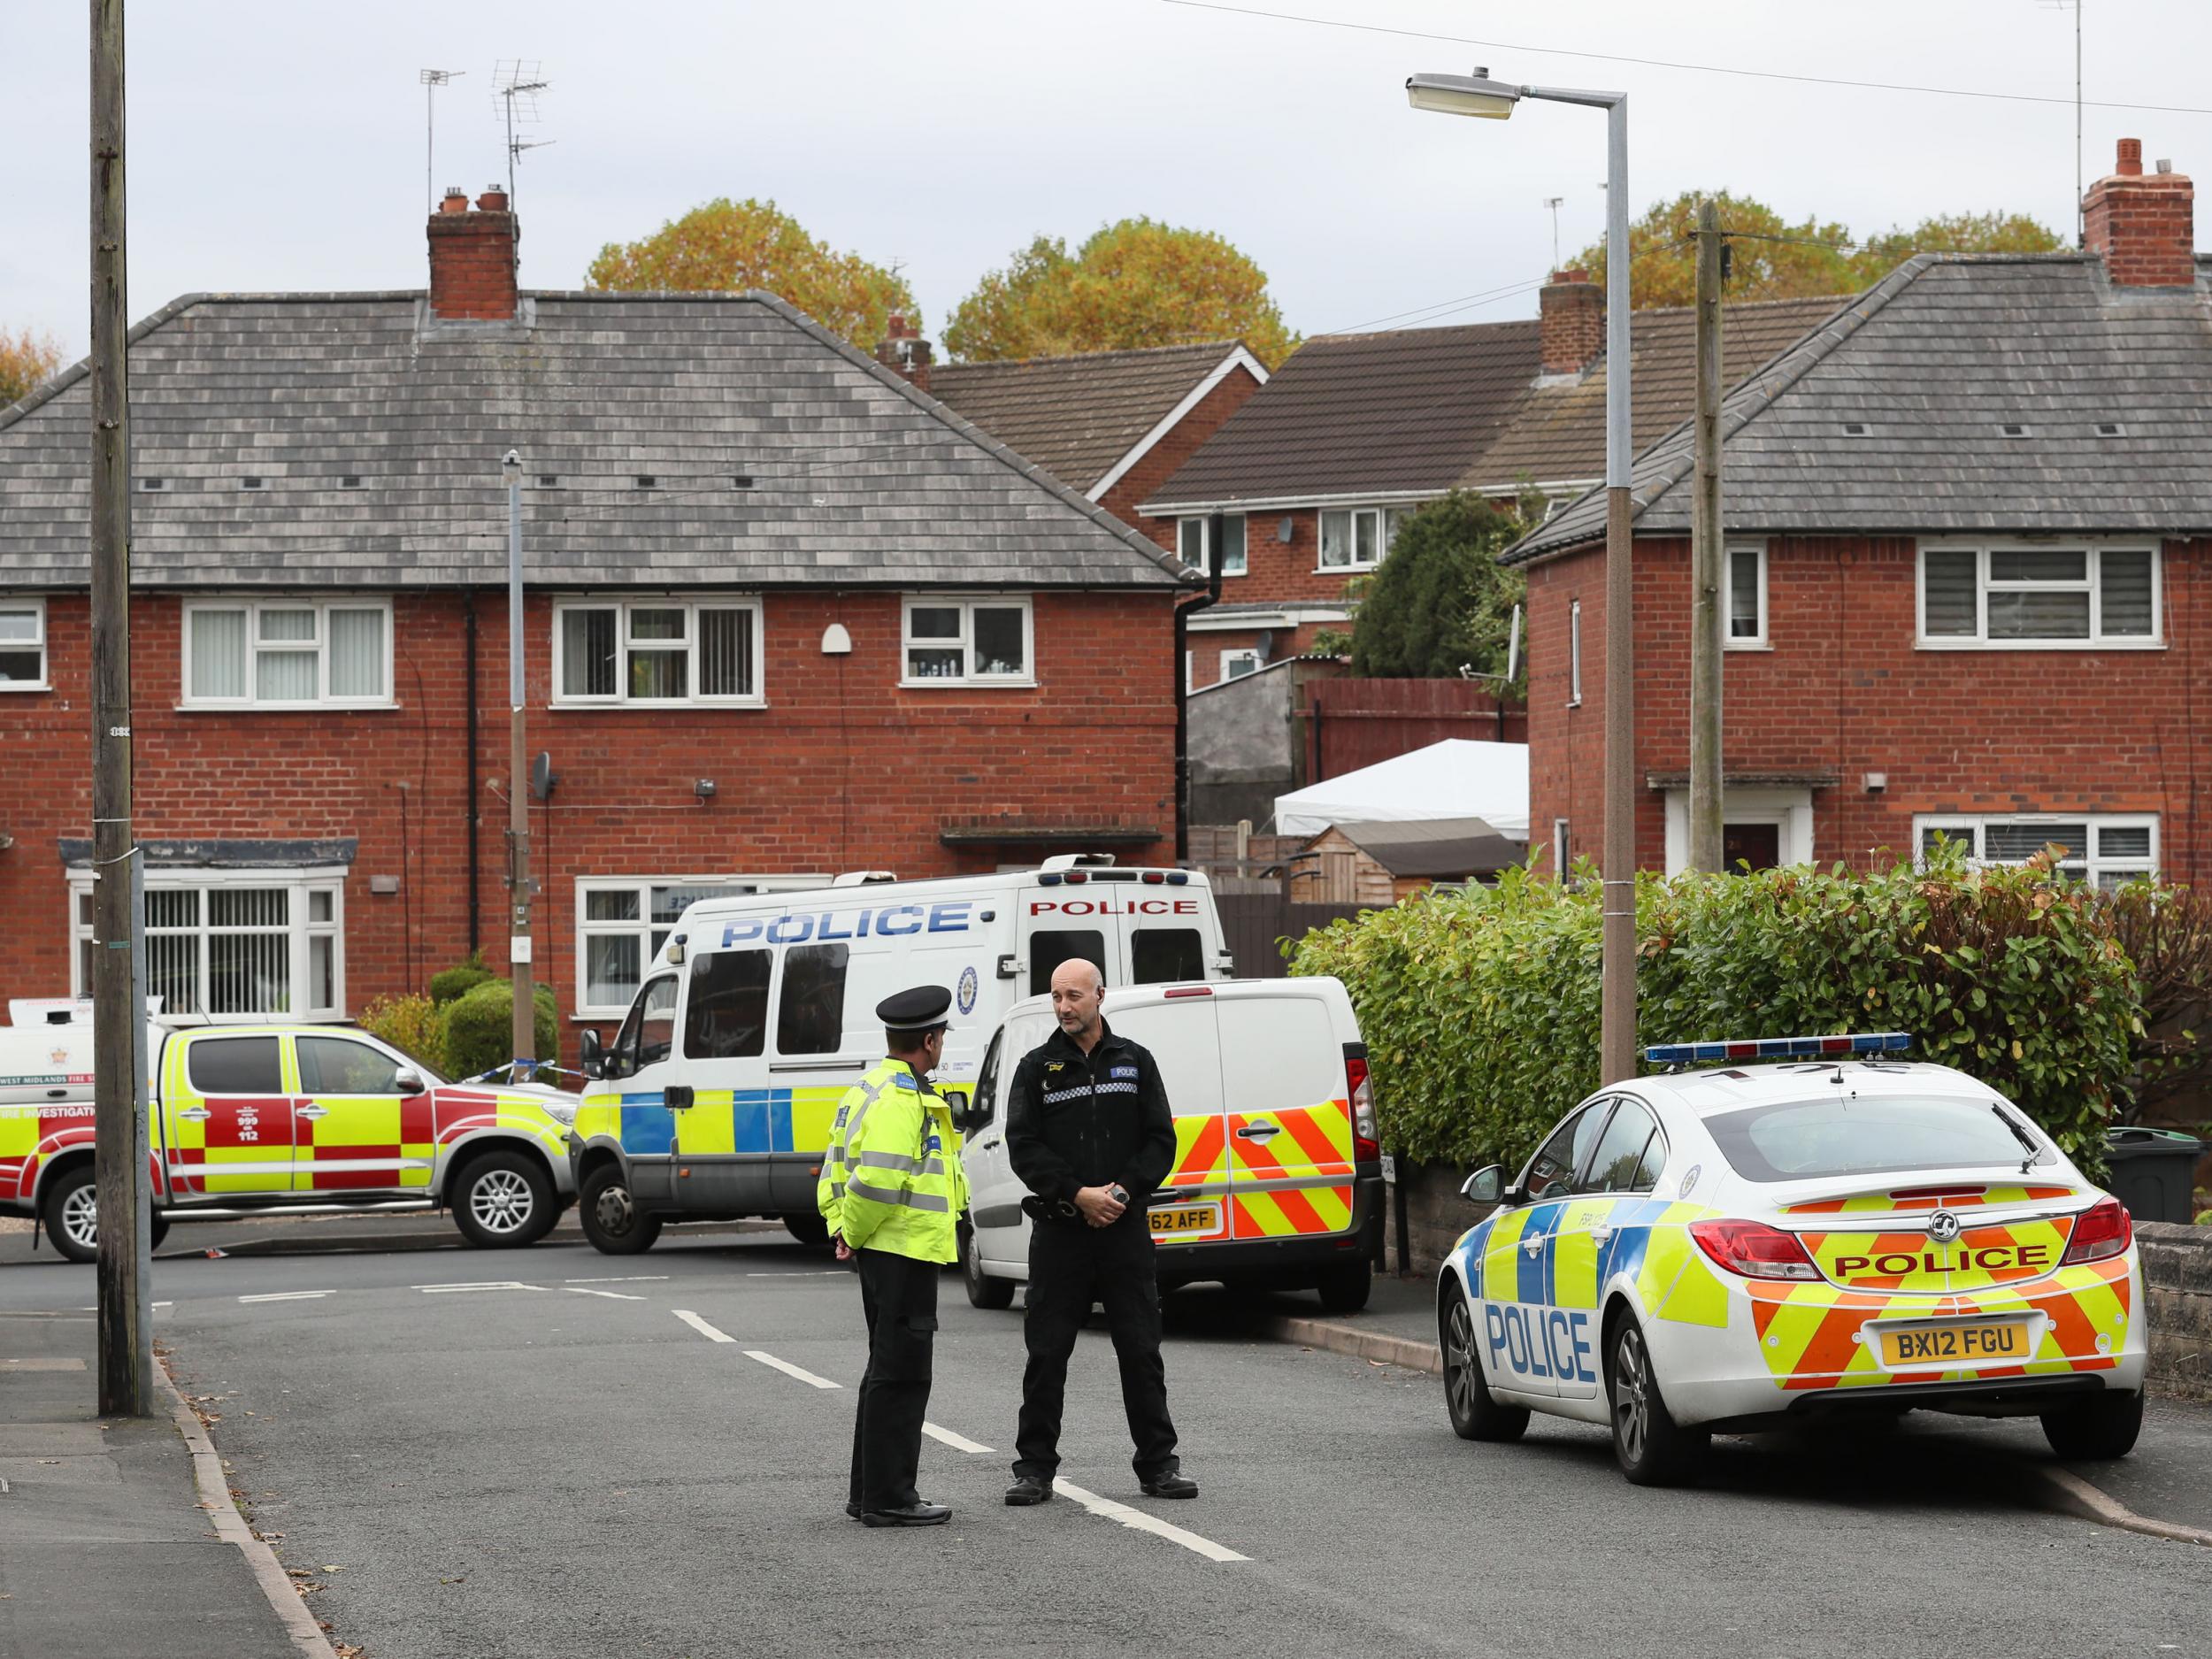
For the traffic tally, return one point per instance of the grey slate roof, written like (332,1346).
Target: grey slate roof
(1933,361)
(852,476)
(1076,416)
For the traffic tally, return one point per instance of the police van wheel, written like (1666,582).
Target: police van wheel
(1475,1411)
(2103,1425)
(611,1217)
(1344,1288)
(983,1291)
(1651,1448)
(72,1215)
(807,1228)
(503,1200)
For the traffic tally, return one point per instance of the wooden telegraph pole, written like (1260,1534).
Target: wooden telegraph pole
(119,1011)
(1707,559)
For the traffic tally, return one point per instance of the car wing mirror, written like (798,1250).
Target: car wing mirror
(1485,1185)
(407,1080)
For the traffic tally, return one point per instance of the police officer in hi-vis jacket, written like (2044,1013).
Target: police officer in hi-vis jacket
(891,1190)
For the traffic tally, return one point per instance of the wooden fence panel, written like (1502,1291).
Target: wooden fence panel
(1252,923)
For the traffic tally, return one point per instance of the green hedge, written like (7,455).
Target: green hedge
(479,1027)
(1481,1009)
(458,980)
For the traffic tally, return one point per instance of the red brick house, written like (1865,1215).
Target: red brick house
(1311,477)
(786,616)
(1967,526)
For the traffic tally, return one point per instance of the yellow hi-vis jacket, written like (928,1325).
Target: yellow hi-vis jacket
(891,1177)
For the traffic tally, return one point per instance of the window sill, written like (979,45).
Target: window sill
(967,685)
(1746,645)
(616,705)
(8,686)
(1345,570)
(288,708)
(2040,645)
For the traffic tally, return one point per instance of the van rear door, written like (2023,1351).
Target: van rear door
(1289,1119)
(1183,1037)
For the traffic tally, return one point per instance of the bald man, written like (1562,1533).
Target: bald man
(1090,1132)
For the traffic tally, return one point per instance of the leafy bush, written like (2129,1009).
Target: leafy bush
(479,1027)
(1481,1011)
(410,1025)
(1440,600)
(459,980)
(2167,933)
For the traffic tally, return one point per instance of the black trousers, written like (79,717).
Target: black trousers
(898,1294)
(1071,1267)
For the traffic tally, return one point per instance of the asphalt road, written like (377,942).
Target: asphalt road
(536,1454)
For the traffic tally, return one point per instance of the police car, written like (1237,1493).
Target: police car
(1733,1249)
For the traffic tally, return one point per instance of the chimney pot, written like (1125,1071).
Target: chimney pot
(2164,165)
(2144,228)
(494,200)
(457,200)
(2131,162)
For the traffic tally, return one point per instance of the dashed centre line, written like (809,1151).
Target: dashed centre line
(624,1278)
(490,1284)
(958,1443)
(702,1326)
(284,1295)
(790,1369)
(1142,1522)
(612,1295)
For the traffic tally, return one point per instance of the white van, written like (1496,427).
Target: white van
(1277,1171)
(714,1099)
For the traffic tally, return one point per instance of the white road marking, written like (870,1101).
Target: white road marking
(490,1284)
(626,1278)
(702,1326)
(280,1296)
(803,1273)
(790,1369)
(958,1443)
(612,1295)
(1146,1522)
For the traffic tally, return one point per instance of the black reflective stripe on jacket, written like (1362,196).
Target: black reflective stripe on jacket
(1076,1120)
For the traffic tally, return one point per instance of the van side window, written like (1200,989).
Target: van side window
(727,1017)
(234,1065)
(983,1106)
(811,1015)
(1163,955)
(1047,950)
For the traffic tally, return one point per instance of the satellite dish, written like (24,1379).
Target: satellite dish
(542,777)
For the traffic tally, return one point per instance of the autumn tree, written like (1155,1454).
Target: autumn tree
(1771,258)
(1132,284)
(25,358)
(725,245)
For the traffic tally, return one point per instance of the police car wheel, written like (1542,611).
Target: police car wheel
(502,1201)
(1475,1412)
(983,1291)
(1651,1448)
(2103,1425)
(611,1220)
(72,1215)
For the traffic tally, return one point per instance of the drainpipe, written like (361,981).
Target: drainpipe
(468,602)
(1183,614)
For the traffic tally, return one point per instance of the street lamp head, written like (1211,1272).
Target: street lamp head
(1462,94)
(510,469)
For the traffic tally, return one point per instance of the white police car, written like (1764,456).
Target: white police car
(1730,1248)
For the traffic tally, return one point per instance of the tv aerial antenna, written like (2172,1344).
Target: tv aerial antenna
(432,80)
(518,80)
(2081,238)
(1553,202)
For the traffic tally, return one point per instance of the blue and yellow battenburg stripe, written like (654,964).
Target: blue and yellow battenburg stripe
(1649,1240)
(718,1121)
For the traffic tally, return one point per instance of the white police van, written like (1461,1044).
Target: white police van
(714,1099)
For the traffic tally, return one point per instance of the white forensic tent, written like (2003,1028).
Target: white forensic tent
(1457,779)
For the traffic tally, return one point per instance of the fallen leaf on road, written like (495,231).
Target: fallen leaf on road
(328,1568)
(301,1572)
(463,1579)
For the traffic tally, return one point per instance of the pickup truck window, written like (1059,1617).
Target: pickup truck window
(337,1065)
(234,1065)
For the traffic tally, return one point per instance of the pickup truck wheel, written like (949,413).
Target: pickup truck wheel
(161,1229)
(983,1291)
(611,1217)
(502,1201)
(71,1214)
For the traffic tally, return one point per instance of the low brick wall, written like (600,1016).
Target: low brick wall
(2176,1271)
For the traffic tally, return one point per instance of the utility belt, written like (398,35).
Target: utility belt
(1051,1211)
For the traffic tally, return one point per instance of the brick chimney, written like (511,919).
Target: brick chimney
(2143,224)
(473,258)
(906,353)
(1573,311)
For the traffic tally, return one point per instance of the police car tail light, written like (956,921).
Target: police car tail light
(1366,1139)
(1753,1249)
(2103,1230)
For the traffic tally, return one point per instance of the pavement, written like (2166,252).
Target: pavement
(518,1453)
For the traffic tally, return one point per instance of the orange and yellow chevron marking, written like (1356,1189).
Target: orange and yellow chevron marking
(1915,1264)
(1312,1142)
(1276,1215)
(1925,1198)
(1201,1150)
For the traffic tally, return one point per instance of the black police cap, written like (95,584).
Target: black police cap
(922,1009)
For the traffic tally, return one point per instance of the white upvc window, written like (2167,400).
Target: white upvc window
(23,645)
(1194,544)
(232,944)
(968,641)
(623,921)
(657,652)
(1574,654)
(288,654)
(2001,597)
(1237,664)
(2107,850)
(1351,538)
(1746,598)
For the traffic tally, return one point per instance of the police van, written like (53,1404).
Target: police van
(714,1101)
(1277,1180)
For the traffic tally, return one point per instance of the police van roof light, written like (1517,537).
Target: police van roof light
(1153,877)
(1076,877)
(1779,1047)
(1049,880)
(1178,878)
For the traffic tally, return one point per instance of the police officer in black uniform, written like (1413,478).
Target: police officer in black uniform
(1090,1134)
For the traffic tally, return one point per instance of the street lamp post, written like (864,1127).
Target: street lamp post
(519,952)
(1478,95)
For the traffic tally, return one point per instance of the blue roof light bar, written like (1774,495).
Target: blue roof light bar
(1779,1047)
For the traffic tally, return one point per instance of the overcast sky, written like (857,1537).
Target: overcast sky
(280,145)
